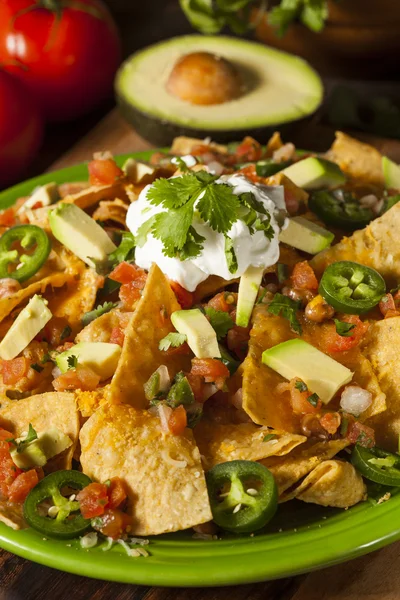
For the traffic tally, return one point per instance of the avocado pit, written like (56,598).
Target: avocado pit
(204,78)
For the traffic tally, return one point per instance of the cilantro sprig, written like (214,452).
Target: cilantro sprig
(22,444)
(344,329)
(286,308)
(220,321)
(173,339)
(100,310)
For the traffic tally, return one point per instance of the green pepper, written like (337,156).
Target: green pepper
(243,495)
(377,465)
(267,168)
(180,392)
(228,360)
(340,209)
(68,523)
(351,288)
(28,237)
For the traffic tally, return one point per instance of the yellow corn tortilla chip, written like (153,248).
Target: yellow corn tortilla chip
(12,515)
(185,145)
(44,411)
(140,355)
(100,329)
(111,210)
(289,469)
(375,246)
(357,160)
(163,473)
(382,346)
(220,442)
(295,191)
(332,483)
(92,195)
(260,399)
(274,143)
(89,402)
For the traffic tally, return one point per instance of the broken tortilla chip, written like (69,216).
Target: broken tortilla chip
(12,515)
(140,355)
(332,483)
(220,442)
(357,160)
(89,402)
(90,196)
(289,469)
(382,346)
(185,145)
(100,329)
(44,411)
(163,473)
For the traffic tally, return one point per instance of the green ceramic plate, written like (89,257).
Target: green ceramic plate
(302,537)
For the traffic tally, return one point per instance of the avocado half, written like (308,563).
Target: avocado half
(279,88)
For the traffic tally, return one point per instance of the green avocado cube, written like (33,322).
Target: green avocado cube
(391,173)
(306,236)
(248,289)
(313,173)
(101,357)
(200,335)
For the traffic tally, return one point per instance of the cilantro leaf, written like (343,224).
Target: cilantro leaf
(72,361)
(66,332)
(36,367)
(180,163)
(193,245)
(144,230)
(249,200)
(344,329)
(269,436)
(218,206)
(265,226)
(30,437)
(313,400)
(220,321)
(173,339)
(301,386)
(282,272)
(97,312)
(172,229)
(125,250)
(286,308)
(174,192)
(230,255)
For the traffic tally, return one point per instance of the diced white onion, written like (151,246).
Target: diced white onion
(215,167)
(164,412)
(56,372)
(355,400)
(368,201)
(237,399)
(285,152)
(165,380)
(188,159)
(89,540)
(209,390)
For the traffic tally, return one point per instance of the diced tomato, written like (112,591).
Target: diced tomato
(9,287)
(5,435)
(299,400)
(114,523)
(197,383)
(129,293)
(249,150)
(125,273)
(183,349)
(200,149)
(117,493)
(388,307)
(81,378)
(184,297)
(331,422)
(224,301)
(8,470)
(93,500)
(55,332)
(303,277)
(178,421)
(212,369)
(332,342)
(103,172)
(22,485)
(14,370)
(117,336)
(249,171)
(237,341)
(7,217)
(361,434)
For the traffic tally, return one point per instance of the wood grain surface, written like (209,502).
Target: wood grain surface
(372,577)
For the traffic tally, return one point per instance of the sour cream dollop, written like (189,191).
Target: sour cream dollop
(251,250)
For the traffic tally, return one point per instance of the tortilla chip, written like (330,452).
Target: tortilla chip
(220,443)
(140,355)
(382,346)
(12,515)
(375,246)
(274,143)
(111,210)
(163,473)
(44,411)
(357,160)
(92,195)
(89,402)
(332,483)
(294,190)
(289,469)
(100,329)
(185,145)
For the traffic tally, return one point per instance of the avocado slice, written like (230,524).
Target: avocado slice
(296,358)
(313,173)
(200,335)
(101,357)
(248,290)
(391,173)
(45,194)
(31,456)
(49,443)
(306,236)
(26,326)
(277,88)
(80,234)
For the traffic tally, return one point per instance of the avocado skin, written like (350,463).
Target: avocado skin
(161,133)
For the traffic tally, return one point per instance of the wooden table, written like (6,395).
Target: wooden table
(372,577)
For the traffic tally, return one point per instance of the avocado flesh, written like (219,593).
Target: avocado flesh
(314,173)
(280,88)
(296,358)
(248,289)
(306,236)
(80,233)
(26,326)
(46,194)
(101,357)
(201,337)
(36,454)
(31,456)
(391,173)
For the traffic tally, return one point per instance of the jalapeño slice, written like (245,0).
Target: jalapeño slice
(268,167)
(351,288)
(243,495)
(69,522)
(377,465)
(35,245)
(340,209)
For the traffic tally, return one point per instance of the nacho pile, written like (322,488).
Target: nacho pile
(148,385)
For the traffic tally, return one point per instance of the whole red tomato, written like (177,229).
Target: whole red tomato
(21,129)
(65,51)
